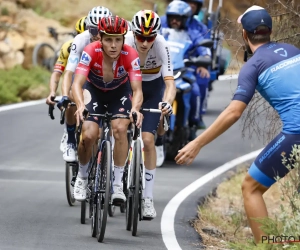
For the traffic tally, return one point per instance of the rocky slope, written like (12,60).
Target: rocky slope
(20,30)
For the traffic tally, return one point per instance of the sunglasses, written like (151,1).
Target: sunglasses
(142,39)
(93,31)
(175,17)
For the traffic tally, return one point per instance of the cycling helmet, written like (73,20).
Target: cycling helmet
(113,25)
(198,2)
(129,26)
(146,23)
(96,14)
(179,8)
(80,25)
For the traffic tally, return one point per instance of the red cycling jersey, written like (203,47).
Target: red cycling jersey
(127,67)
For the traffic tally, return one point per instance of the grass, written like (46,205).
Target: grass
(225,214)
(19,84)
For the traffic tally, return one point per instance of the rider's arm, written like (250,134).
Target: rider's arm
(135,78)
(54,80)
(167,71)
(81,74)
(73,61)
(78,83)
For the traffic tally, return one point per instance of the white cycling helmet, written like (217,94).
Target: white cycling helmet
(146,23)
(96,14)
(129,26)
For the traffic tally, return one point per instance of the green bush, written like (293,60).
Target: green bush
(19,84)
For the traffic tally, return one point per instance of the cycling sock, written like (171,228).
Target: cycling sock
(149,176)
(118,175)
(71,133)
(159,140)
(83,173)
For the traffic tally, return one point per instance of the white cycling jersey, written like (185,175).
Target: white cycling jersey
(79,43)
(157,62)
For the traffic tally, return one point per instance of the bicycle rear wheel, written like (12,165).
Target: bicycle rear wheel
(137,184)
(43,55)
(104,188)
(71,173)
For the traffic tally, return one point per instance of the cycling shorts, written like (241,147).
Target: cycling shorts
(153,93)
(268,164)
(118,101)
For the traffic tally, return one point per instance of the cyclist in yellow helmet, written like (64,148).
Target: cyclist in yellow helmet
(59,68)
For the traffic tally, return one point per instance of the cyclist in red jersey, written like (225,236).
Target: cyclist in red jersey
(111,76)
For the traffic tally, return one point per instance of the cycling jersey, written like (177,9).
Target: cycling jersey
(127,67)
(157,61)
(274,71)
(63,57)
(79,42)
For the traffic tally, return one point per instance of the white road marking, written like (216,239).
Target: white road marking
(228,77)
(22,105)
(168,216)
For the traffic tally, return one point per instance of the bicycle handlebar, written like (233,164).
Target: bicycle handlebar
(63,111)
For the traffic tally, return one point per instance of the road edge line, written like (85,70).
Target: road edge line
(169,213)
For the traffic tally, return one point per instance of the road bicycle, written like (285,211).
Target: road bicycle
(44,54)
(100,178)
(71,168)
(134,176)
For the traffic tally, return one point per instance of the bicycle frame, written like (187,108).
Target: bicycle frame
(130,157)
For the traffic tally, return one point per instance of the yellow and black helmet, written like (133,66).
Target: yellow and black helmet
(80,25)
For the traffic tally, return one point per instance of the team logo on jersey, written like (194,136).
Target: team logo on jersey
(121,71)
(282,53)
(124,52)
(73,60)
(73,46)
(97,65)
(98,50)
(85,59)
(135,64)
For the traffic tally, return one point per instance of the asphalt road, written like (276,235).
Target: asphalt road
(34,213)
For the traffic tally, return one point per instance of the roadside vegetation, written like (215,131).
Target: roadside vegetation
(222,222)
(19,84)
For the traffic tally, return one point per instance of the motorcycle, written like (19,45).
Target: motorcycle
(179,130)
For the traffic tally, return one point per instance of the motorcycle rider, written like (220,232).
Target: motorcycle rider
(176,26)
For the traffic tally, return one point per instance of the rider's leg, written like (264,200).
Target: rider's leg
(261,176)
(195,109)
(119,103)
(203,86)
(149,128)
(150,170)
(89,135)
(70,121)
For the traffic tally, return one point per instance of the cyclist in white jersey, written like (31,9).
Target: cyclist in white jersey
(79,43)
(158,89)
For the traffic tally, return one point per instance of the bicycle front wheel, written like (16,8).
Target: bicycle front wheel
(104,188)
(71,173)
(137,185)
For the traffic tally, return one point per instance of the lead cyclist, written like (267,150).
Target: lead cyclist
(158,87)
(79,43)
